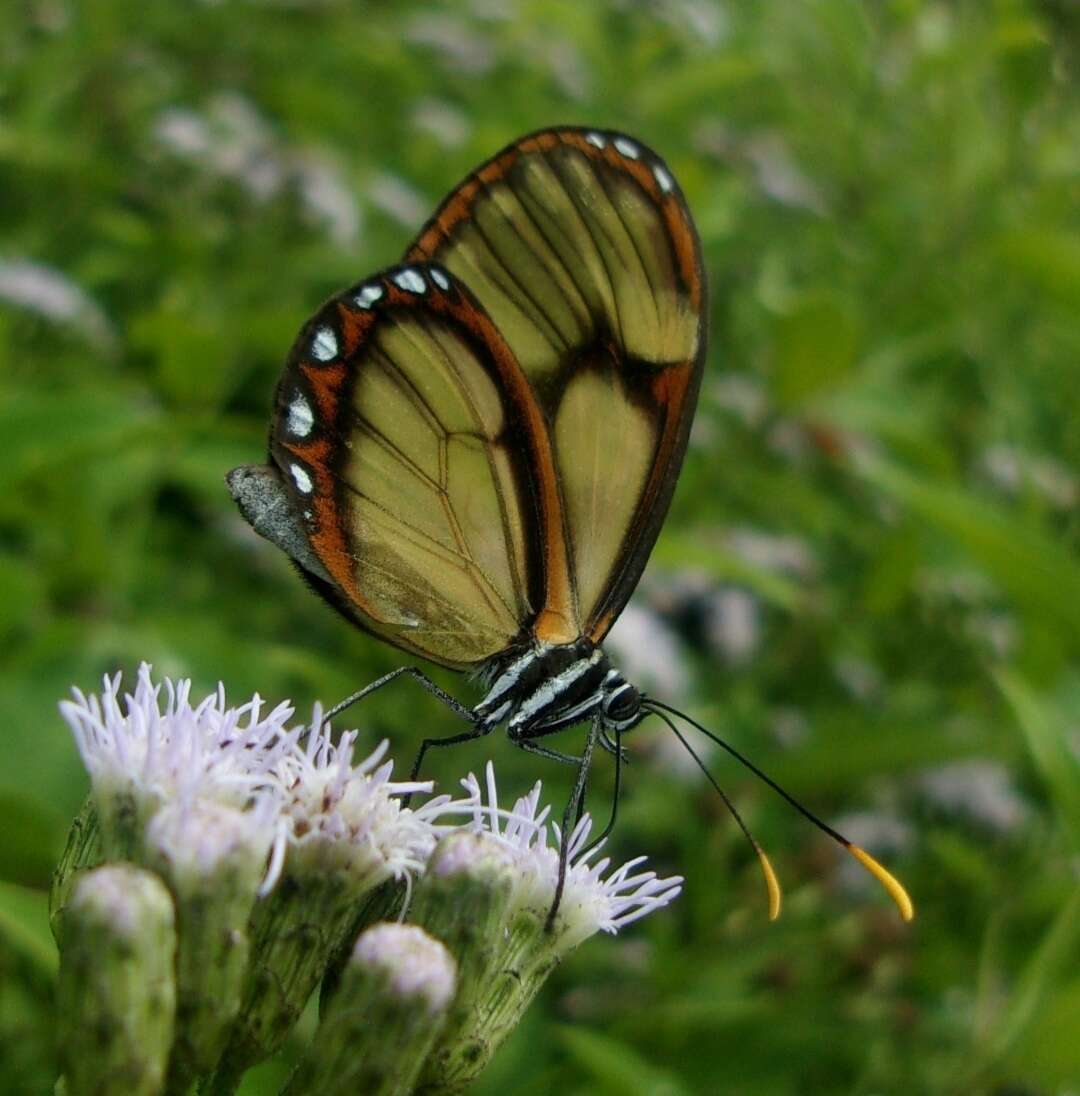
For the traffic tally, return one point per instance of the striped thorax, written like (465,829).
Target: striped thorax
(548,687)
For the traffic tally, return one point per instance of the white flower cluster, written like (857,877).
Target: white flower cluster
(163,749)
(351,816)
(591,901)
(165,752)
(304,787)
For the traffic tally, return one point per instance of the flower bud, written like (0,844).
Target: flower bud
(116,995)
(347,835)
(506,960)
(390,1006)
(464,899)
(213,858)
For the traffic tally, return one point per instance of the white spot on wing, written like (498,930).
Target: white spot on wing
(596,139)
(627,147)
(440,279)
(303,480)
(368,295)
(301,417)
(410,280)
(663,177)
(324,345)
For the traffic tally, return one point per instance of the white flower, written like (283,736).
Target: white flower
(591,901)
(325,812)
(199,840)
(341,815)
(51,293)
(159,747)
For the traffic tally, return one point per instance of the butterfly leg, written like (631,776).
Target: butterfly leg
(525,740)
(606,831)
(418,675)
(428,685)
(542,751)
(478,730)
(573,811)
(553,755)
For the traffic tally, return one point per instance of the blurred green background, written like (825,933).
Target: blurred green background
(869,579)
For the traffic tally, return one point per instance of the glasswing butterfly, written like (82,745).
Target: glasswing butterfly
(472,452)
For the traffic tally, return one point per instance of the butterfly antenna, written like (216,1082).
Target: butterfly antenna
(772,884)
(892,885)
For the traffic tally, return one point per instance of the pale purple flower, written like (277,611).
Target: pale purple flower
(158,745)
(594,899)
(349,815)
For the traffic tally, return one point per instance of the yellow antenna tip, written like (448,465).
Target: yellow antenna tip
(887,880)
(772,884)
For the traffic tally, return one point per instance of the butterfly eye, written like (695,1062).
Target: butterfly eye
(622,706)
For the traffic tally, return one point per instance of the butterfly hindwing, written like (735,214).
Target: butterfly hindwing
(580,247)
(411,446)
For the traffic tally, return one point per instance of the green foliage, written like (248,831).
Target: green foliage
(887,199)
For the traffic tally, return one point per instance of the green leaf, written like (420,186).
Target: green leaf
(24,928)
(676,549)
(814,346)
(1043,971)
(1040,574)
(1049,260)
(1046,731)
(41,831)
(615,1067)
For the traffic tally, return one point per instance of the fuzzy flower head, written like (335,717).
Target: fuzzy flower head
(594,898)
(341,816)
(155,746)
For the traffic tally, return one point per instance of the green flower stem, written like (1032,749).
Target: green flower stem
(522,967)
(515,973)
(382,904)
(83,850)
(293,934)
(390,1006)
(116,995)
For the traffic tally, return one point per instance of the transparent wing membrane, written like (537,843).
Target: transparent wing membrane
(410,462)
(580,247)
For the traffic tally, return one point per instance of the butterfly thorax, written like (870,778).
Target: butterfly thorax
(547,687)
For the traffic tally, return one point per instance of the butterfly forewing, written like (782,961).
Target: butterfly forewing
(412,445)
(580,247)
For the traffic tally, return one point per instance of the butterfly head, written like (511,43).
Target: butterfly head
(622,707)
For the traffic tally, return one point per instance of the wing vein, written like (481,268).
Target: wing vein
(536,305)
(426,542)
(634,245)
(454,374)
(570,192)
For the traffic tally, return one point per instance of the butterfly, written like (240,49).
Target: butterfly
(472,452)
